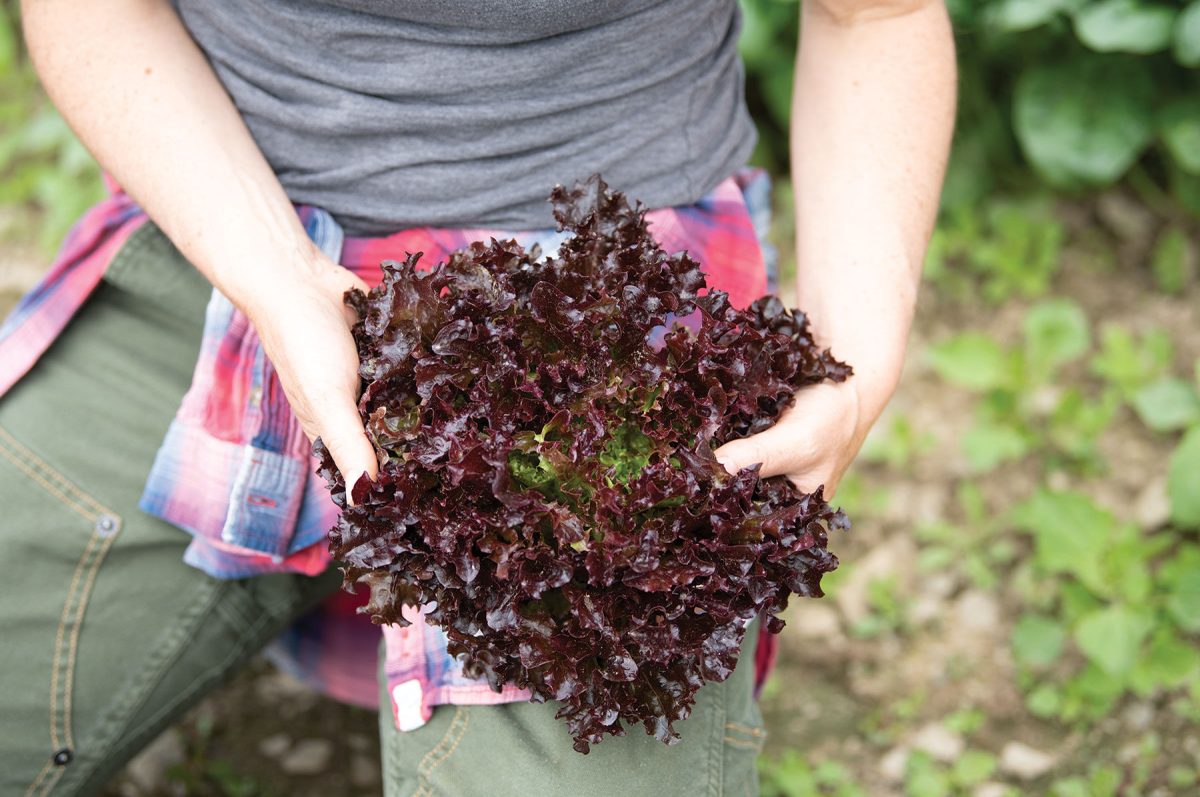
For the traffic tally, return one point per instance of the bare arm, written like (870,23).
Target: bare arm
(872,114)
(142,97)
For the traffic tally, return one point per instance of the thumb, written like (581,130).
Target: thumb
(343,280)
(347,442)
(775,448)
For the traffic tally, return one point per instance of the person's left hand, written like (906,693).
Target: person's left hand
(812,443)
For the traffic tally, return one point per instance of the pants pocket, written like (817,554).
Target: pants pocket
(54,540)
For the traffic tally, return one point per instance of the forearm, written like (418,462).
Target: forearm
(142,97)
(872,116)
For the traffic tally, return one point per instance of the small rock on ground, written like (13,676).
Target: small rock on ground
(364,771)
(1138,716)
(815,621)
(275,745)
(892,765)
(894,557)
(977,611)
(990,788)
(1025,762)
(939,742)
(307,757)
(1152,509)
(287,696)
(148,769)
(1126,217)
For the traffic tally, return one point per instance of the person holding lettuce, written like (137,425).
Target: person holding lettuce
(191,338)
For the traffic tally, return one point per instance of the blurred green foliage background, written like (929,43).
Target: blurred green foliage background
(1018,610)
(1078,94)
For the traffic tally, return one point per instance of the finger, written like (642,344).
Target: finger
(344,436)
(776,449)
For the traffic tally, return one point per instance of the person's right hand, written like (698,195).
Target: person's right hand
(304,326)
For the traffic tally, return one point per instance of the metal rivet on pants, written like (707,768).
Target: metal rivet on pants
(106,525)
(63,757)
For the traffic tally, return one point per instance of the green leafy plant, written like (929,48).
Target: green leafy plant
(1011,249)
(1121,602)
(1023,410)
(44,171)
(1127,363)
(897,444)
(1171,262)
(793,775)
(1183,480)
(1068,92)
(924,777)
(974,547)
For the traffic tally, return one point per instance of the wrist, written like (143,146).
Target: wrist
(258,284)
(872,391)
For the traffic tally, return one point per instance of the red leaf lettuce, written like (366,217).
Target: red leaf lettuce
(547,487)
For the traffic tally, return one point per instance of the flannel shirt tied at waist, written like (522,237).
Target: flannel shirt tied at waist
(236,471)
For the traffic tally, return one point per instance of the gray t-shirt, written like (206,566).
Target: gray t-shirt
(401,113)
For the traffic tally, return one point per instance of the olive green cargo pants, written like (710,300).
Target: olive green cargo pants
(106,637)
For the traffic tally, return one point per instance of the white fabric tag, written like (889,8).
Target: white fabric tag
(406,700)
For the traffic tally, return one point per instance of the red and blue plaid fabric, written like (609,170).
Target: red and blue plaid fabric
(236,471)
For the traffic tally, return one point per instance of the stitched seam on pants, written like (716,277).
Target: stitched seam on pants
(171,650)
(24,455)
(32,790)
(436,749)
(77,598)
(57,662)
(167,651)
(73,646)
(461,733)
(747,729)
(63,490)
(434,757)
(197,685)
(10,449)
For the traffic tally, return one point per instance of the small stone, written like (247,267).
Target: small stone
(1126,217)
(307,757)
(1058,481)
(148,769)
(939,741)
(892,765)
(892,558)
(358,742)
(1129,752)
(977,611)
(364,771)
(939,585)
(1044,400)
(1139,716)
(990,788)
(1025,762)
(815,621)
(925,609)
(1152,508)
(275,745)
(930,603)
(286,695)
